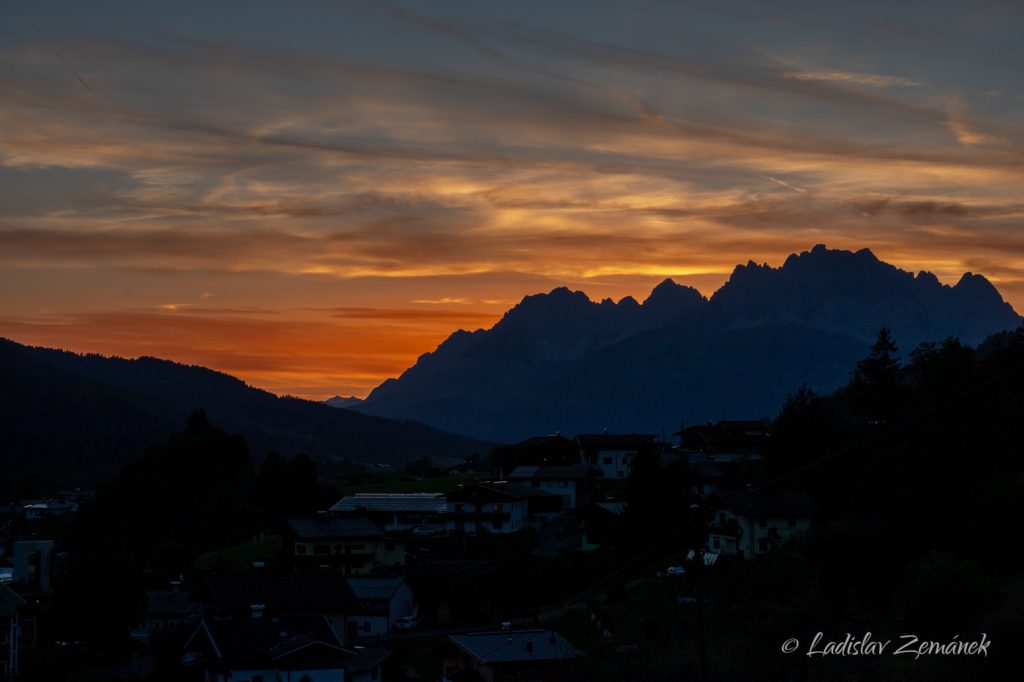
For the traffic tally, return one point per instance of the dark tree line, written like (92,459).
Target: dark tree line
(197,492)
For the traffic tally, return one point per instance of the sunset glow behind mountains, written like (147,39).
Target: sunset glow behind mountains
(311,195)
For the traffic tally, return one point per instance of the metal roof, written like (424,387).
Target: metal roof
(375,588)
(325,528)
(392,502)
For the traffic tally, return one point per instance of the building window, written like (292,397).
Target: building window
(497,525)
(496,507)
(366,626)
(762,545)
(607,460)
(460,507)
(389,546)
(721,517)
(321,549)
(763,522)
(563,484)
(300,548)
(716,542)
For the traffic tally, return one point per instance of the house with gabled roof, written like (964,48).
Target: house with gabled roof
(351,545)
(487,508)
(278,649)
(749,523)
(725,441)
(505,655)
(568,482)
(266,594)
(395,512)
(381,602)
(613,453)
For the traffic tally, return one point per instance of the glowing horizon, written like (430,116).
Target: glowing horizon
(310,195)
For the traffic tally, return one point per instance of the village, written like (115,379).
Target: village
(404,581)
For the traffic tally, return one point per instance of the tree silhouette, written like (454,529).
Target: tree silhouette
(877,381)
(882,366)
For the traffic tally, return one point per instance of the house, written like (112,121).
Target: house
(278,649)
(613,454)
(396,512)
(382,601)
(10,642)
(750,523)
(269,595)
(352,545)
(166,611)
(41,510)
(33,565)
(568,482)
(600,521)
(521,655)
(707,478)
(553,450)
(725,441)
(487,508)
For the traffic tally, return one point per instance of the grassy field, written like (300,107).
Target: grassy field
(240,557)
(396,483)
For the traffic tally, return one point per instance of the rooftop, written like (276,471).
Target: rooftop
(375,588)
(498,491)
(391,502)
(279,592)
(9,602)
(328,527)
(170,603)
(263,642)
(574,472)
(516,646)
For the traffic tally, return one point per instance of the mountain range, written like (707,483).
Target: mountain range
(561,362)
(72,420)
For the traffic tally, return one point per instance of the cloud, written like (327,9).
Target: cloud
(958,120)
(460,157)
(855,77)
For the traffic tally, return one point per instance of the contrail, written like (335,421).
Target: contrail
(64,61)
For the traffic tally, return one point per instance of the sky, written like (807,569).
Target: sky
(309,195)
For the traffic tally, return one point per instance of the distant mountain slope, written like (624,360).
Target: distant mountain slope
(343,402)
(76,418)
(560,361)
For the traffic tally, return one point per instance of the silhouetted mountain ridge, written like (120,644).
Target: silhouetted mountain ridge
(71,419)
(560,361)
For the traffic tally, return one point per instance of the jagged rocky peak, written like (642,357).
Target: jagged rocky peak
(978,286)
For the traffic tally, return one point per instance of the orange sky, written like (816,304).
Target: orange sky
(309,196)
